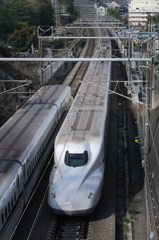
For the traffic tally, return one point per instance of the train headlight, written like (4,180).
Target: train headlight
(91,195)
(53,194)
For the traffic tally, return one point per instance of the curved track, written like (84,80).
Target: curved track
(40,223)
(77,74)
(32,212)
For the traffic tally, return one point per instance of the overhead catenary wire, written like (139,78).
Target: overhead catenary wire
(122,81)
(5,101)
(18,43)
(15,88)
(112,92)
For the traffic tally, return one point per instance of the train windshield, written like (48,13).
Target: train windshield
(76,159)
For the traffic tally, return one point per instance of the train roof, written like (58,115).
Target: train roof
(19,132)
(85,122)
(86,118)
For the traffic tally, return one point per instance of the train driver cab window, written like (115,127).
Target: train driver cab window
(76,159)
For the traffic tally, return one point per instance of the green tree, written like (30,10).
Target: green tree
(4,19)
(114,12)
(153,19)
(19,13)
(16,14)
(34,12)
(46,13)
(22,38)
(67,2)
(71,10)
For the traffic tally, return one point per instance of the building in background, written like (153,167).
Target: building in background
(102,8)
(139,11)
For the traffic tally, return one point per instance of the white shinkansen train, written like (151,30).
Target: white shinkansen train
(25,144)
(76,180)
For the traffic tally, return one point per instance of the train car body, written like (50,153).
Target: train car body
(25,144)
(76,180)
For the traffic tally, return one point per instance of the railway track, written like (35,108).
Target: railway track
(67,228)
(40,223)
(74,78)
(34,212)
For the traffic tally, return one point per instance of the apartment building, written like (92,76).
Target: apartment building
(140,9)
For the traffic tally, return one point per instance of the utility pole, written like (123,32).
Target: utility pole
(129,63)
(41,63)
(47,33)
(65,41)
(147,128)
(152,82)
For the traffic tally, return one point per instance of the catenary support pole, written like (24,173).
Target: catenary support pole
(152,82)
(147,127)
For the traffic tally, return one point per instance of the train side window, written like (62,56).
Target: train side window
(31,166)
(2,218)
(17,181)
(14,197)
(9,207)
(12,202)
(24,170)
(27,173)
(5,212)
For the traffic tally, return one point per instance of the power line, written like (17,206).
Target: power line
(113,92)
(5,101)
(15,88)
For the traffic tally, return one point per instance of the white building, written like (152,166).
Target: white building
(140,9)
(100,8)
(113,4)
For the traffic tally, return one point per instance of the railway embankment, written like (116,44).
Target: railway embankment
(130,208)
(9,103)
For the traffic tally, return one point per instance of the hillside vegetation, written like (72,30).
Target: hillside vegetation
(16,14)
